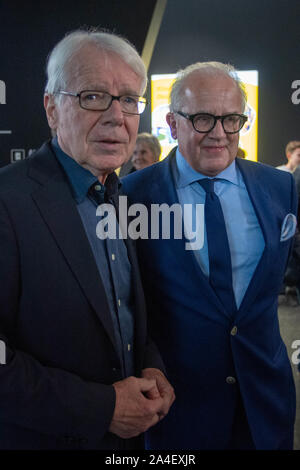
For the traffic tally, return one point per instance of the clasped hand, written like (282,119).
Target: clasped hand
(140,403)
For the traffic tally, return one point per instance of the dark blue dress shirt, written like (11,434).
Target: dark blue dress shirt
(110,256)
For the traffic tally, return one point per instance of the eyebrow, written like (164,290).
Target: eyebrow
(93,87)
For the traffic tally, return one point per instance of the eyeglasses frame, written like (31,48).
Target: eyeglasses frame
(78,95)
(191,118)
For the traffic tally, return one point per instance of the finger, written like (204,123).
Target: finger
(147,384)
(165,389)
(164,386)
(169,395)
(152,394)
(168,399)
(156,407)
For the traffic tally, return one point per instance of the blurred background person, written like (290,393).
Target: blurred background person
(147,151)
(292,152)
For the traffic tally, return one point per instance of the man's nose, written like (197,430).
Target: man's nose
(218,130)
(113,114)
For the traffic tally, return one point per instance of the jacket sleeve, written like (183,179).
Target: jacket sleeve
(34,396)
(152,357)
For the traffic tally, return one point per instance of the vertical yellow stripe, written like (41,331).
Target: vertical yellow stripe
(153,31)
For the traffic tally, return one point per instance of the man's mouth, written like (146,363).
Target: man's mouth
(215,148)
(109,143)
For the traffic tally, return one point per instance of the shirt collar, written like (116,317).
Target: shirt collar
(81,179)
(186,175)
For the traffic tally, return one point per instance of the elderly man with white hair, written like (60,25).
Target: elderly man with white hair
(80,371)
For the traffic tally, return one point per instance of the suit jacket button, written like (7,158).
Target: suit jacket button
(230,380)
(234,331)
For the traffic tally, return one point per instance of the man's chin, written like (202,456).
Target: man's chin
(216,166)
(103,164)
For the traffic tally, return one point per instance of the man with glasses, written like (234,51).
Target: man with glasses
(80,371)
(213,309)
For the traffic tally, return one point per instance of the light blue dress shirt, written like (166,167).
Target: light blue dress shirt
(245,236)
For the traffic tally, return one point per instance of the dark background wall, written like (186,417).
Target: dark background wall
(261,34)
(28,31)
(258,34)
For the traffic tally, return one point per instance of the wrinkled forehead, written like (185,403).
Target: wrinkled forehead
(93,62)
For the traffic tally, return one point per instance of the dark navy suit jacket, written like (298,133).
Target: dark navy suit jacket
(56,387)
(193,329)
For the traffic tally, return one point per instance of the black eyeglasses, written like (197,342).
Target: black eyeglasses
(205,122)
(101,101)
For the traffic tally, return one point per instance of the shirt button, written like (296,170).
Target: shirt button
(230,380)
(129,347)
(119,302)
(113,257)
(233,331)
(98,187)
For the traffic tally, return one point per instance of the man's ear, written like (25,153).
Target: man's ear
(170,118)
(51,110)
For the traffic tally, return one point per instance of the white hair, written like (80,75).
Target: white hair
(58,64)
(208,68)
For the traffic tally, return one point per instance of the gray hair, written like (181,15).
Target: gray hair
(152,142)
(208,68)
(59,60)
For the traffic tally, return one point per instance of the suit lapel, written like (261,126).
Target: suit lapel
(56,205)
(262,205)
